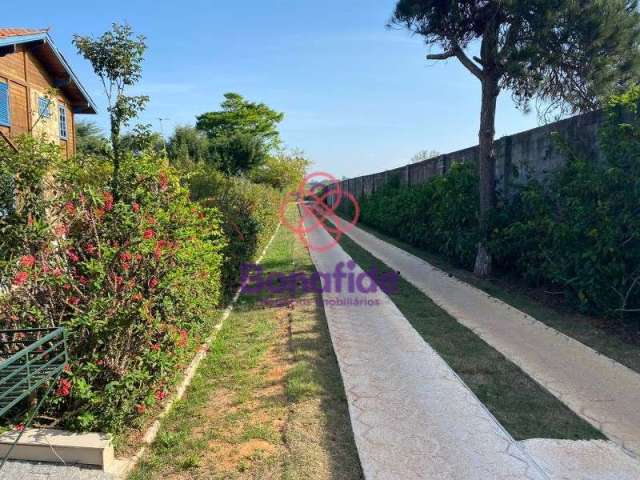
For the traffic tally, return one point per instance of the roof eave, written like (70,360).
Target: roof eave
(90,107)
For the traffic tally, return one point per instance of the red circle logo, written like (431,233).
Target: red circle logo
(319,195)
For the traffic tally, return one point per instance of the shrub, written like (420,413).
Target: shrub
(439,215)
(579,231)
(134,280)
(249,212)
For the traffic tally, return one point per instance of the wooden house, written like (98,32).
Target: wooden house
(39,93)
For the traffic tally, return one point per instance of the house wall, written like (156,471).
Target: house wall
(28,80)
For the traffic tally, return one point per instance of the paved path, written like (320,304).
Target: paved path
(14,470)
(602,391)
(412,417)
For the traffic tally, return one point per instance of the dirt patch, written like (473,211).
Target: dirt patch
(248,434)
(228,457)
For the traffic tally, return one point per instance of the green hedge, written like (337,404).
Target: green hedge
(579,231)
(250,215)
(439,216)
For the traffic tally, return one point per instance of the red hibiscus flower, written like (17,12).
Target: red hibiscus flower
(64,387)
(73,255)
(153,283)
(160,395)
(28,261)
(148,234)
(135,207)
(20,278)
(90,249)
(73,300)
(19,427)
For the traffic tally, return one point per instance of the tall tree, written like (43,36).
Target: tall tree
(242,117)
(566,53)
(241,135)
(116,57)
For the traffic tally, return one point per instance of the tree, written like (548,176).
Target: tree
(116,57)
(241,117)
(188,146)
(90,140)
(242,134)
(423,155)
(567,53)
(237,154)
(282,171)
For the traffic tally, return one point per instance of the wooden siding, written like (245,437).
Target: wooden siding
(26,76)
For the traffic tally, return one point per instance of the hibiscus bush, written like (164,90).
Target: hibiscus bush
(134,279)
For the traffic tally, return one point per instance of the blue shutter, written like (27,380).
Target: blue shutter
(4,104)
(62,121)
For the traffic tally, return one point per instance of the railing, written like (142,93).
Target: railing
(29,359)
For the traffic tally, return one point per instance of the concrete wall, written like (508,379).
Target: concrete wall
(532,154)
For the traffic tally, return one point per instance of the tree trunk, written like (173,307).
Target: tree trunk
(487,172)
(115,147)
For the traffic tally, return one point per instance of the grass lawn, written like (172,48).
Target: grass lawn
(267,401)
(603,335)
(523,407)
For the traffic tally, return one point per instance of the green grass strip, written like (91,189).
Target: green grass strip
(524,408)
(606,336)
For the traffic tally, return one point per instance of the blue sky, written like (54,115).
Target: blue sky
(358,97)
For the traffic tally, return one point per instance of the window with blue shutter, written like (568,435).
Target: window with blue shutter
(43,107)
(5,118)
(62,122)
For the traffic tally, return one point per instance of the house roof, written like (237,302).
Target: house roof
(13,32)
(42,46)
